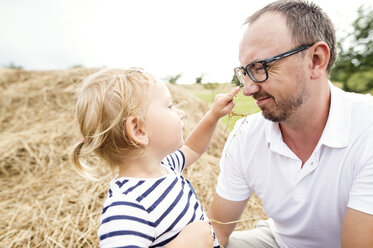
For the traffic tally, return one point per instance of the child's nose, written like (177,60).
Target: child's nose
(180,113)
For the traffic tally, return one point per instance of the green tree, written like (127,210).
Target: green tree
(173,79)
(76,66)
(199,79)
(235,80)
(355,57)
(12,65)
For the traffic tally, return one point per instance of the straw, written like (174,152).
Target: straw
(43,201)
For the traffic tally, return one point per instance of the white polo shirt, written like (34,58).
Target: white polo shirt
(306,206)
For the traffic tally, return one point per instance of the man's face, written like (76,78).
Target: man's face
(284,92)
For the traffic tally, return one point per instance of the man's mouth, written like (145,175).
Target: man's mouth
(262,99)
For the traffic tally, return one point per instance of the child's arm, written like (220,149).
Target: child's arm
(196,234)
(198,141)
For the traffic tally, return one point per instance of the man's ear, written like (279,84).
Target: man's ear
(320,58)
(136,131)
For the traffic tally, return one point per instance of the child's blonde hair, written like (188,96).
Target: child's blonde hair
(105,101)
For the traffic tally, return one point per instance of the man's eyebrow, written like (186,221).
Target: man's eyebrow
(254,61)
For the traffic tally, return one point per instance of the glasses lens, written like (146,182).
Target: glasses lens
(257,71)
(240,74)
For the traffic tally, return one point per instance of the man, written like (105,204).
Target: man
(309,153)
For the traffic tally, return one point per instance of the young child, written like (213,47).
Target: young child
(128,120)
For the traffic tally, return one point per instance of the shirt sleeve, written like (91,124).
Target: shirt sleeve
(231,181)
(176,161)
(361,194)
(125,224)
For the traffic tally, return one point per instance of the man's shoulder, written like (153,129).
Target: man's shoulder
(361,106)
(356,99)
(357,110)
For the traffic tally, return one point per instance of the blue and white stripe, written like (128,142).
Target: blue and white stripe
(149,212)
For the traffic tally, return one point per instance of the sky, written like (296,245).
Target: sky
(165,37)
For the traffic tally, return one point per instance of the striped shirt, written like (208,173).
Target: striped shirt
(149,212)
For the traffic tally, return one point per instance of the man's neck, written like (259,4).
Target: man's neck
(302,132)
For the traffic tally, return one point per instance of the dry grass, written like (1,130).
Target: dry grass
(43,202)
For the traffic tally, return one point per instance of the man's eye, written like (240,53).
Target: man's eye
(256,67)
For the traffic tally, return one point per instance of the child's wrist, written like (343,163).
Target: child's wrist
(214,115)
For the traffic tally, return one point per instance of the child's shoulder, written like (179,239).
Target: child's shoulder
(119,196)
(175,160)
(137,191)
(120,189)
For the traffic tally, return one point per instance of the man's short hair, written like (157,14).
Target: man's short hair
(307,22)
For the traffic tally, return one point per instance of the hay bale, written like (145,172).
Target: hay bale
(43,201)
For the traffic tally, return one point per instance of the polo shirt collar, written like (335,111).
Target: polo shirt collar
(274,139)
(336,131)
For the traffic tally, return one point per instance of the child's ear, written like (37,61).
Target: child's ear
(136,131)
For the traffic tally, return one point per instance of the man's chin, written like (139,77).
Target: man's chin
(273,117)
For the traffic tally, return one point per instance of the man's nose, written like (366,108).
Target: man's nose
(250,87)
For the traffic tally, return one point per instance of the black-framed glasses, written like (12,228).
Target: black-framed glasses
(258,70)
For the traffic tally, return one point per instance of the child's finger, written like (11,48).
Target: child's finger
(229,96)
(230,105)
(226,98)
(233,92)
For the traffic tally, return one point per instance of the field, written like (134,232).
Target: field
(206,92)
(43,201)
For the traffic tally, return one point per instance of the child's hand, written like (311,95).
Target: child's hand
(198,141)
(223,103)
